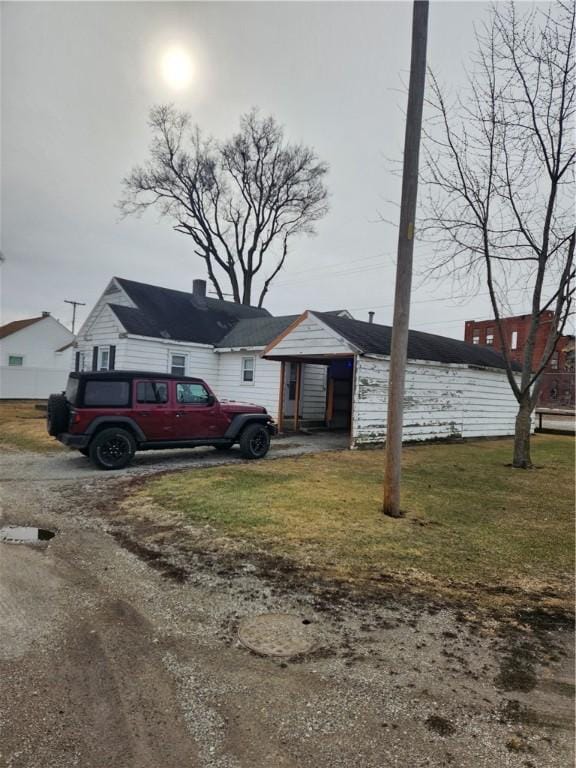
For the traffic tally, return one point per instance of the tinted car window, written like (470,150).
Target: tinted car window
(152,392)
(106,393)
(192,394)
(72,390)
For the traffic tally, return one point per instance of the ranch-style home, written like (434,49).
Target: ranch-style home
(316,369)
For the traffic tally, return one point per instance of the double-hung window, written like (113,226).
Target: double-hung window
(104,358)
(490,336)
(248,370)
(16,360)
(178,365)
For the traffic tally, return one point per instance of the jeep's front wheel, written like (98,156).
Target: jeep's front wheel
(254,442)
(112,448)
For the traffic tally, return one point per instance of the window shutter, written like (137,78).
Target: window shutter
(77,362)
(112,358)
(94,358)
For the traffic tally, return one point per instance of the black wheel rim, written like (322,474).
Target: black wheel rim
(259,443)
(114,451)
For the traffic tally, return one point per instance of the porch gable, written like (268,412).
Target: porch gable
(309,338)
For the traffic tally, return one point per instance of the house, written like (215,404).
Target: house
(312,369)
(35,357)
(557,388)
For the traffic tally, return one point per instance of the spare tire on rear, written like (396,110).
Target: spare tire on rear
(58,415)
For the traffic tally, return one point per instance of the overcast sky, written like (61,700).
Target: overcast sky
(79,78)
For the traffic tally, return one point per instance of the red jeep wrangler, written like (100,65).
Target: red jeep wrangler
(109,415)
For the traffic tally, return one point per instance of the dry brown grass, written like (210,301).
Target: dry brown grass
(472,521)
(23,427)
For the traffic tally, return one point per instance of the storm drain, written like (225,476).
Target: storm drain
(16,534)
(277,634)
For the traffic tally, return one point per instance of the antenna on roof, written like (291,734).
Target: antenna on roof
(74,305)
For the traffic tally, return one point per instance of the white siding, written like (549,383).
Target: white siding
(113,294)
(44,370)
(265,390)
(103,330)
(155,355)
(440,401)
(311,337)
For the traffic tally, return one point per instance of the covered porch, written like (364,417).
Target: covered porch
(315,393)
(317,376)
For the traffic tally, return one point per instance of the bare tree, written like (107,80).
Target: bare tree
(241,201)
(499,175)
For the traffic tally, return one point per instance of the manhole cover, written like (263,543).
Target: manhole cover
(15,534)
(277,634)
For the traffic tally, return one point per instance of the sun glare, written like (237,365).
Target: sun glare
(177,68)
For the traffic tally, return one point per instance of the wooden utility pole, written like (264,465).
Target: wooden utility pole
(398,352)
(74,305)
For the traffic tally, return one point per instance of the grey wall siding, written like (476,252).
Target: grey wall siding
(440,401)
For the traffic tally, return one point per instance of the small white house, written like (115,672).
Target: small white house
(320,369)
(35,357)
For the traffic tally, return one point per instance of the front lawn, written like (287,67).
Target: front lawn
(471,520)
(23,427)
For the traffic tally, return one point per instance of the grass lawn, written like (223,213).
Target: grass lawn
(471,521)
(23,427)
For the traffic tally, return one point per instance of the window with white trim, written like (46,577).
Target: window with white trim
(248,372)
(178,365)
(103,358)
(476,337)
(16,360)
(514,340)
(490,336)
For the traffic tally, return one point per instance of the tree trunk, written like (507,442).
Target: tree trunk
(522,458)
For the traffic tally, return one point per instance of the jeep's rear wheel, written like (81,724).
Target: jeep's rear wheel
(254,442)
(112,448)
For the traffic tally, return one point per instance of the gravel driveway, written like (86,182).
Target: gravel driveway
(71,465)
(107,662)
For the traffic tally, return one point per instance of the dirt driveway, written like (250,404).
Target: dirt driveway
(107,662)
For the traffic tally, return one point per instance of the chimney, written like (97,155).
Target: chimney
(199,289)
(45,314)
(370,317)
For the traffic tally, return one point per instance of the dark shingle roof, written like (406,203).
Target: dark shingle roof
(168,314)
(257,332)
(372,338)
(18,325)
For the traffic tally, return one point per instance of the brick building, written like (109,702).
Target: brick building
(558,386)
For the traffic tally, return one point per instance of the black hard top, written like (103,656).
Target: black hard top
(123,375)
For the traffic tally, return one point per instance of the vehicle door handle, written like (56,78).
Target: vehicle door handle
(179,414)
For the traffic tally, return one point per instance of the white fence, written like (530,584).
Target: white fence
(31,383)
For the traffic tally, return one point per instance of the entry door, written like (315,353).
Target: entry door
(290,386)
(196,413)
(152,410)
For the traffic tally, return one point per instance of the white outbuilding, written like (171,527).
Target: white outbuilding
(36,355)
